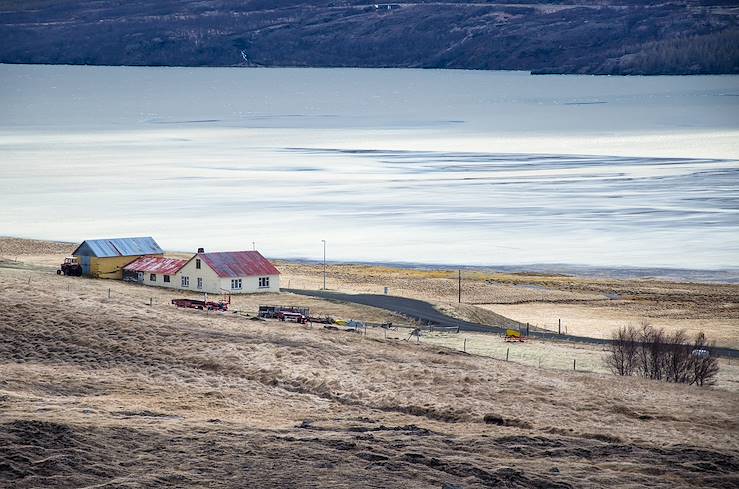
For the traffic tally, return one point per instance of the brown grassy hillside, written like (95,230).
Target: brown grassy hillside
(115,393)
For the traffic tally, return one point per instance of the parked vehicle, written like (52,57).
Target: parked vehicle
(271,312)
(293,317)
(71,267)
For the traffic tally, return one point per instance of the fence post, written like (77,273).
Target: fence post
(527,329)
(506,353)
(108,292)
(151,301)
(559,326)
(465,345)
(460,286)
(574,364)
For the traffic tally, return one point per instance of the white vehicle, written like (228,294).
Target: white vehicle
(355,324)
(700,353)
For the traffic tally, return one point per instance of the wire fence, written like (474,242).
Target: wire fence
(530,352)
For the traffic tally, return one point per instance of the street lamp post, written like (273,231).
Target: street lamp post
(324,264)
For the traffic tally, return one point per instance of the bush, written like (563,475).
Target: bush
(623,352)
(655,354)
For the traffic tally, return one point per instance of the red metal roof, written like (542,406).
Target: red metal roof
(238,263)
(156,264)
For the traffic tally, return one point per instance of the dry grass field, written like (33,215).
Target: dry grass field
(114,392)
(586,306)
(558,355)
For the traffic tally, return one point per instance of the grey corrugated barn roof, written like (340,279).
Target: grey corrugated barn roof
(105,248)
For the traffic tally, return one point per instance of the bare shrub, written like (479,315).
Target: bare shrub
(677,358)
(652,353)
(704,368)
(623,352)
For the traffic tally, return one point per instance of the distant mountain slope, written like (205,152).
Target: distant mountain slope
(587,36)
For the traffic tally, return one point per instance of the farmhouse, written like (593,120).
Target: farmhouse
(154,270)
(235,272)
(105,258)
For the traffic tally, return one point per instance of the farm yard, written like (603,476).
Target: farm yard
(587,306)
(107,383)
(559,296)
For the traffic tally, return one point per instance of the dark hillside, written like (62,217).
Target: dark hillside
(605,37)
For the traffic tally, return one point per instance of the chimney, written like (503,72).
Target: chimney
(201,250)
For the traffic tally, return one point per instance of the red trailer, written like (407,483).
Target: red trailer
(196,304)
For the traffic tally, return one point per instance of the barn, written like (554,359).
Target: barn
(154,270)
(105,258)
(233,272)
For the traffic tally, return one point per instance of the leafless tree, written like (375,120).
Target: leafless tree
(677,361)
(704,367)
(650,356)
(654,354)
(623,351)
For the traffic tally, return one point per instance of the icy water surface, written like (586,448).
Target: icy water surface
(386,165)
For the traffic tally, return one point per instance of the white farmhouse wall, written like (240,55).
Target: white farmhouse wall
(211,281)
(250,285)
(159,281)
(213,284)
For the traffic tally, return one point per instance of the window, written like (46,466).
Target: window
(236,283)
(197,263)
(185,281)
(153,277)
(166,278)
(200,283)
(263,282)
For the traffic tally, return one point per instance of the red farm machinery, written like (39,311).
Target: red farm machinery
(71,267)
(205,304)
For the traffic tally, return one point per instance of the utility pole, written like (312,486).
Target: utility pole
(460,286)
(324,264)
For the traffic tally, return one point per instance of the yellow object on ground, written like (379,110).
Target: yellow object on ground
(514,333)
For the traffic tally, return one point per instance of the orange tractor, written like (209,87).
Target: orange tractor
(71,267)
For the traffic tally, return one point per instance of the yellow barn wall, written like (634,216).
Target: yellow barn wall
(111,268)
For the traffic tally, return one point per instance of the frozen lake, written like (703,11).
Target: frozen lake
(386,165)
